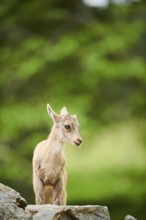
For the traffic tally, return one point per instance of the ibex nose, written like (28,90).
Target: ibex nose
(80,141)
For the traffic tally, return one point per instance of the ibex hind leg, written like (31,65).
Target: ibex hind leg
(48,194)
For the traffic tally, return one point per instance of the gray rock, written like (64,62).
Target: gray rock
(129,217)
(12,205)
(53,212)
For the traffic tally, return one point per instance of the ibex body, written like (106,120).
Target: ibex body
(49,173)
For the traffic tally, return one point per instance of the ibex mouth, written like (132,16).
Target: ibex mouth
(78,143)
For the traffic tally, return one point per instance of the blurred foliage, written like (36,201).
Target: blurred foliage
(93,61)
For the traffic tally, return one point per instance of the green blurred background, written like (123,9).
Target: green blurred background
(91,60)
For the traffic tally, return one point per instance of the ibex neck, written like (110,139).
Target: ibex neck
(54,140)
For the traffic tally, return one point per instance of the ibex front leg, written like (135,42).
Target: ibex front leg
(59,193)
(39,190)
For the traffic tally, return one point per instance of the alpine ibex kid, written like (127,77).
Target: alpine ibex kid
(49,173)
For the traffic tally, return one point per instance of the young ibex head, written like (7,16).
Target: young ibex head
(67,126)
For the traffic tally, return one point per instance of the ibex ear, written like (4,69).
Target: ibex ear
(64,111)
(52,114)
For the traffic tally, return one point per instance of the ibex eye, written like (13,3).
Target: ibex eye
(67,127)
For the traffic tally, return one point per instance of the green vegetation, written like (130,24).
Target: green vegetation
(92,61)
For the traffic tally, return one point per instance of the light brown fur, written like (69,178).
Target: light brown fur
(49,173)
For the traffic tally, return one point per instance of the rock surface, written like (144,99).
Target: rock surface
(129,217)
(52,212)
(12,205)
